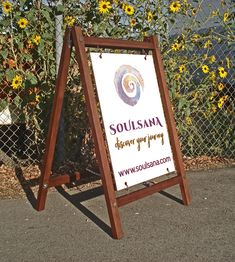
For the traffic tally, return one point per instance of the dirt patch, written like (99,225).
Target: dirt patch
(206,162)
(16,182)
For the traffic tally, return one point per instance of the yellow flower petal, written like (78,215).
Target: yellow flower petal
(22,23)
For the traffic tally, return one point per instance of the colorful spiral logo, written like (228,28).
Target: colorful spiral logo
(129,84)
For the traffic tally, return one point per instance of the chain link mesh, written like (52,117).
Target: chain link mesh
(211,124)
(197,43)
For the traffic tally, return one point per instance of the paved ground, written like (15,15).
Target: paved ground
(157,228)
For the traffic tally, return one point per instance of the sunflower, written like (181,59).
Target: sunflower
(214,13)
(175,6)
(7,7)
(221,101)
(205,69)
(222,72)
(228,62)
(69,20)
(145,34)
(212,76)
(195,38)
(212,95)
(220,86)
(182,68)
(207,44)
(149,16)
(225,18)
(212,59)
(37,39)
(177,77)
(22,23)
(195,95)
(175,46)
(104,7)
(123,6)
(188,120)
(129,10)
(16,82)
(213,108)
(37,98)
(133,22)
(194,11)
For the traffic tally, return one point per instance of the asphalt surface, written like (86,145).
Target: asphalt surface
(75,226)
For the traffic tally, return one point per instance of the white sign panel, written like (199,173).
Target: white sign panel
(133,117)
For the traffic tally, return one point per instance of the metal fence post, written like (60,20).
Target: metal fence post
(60,147)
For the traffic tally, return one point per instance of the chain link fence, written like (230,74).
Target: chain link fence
(206,67)
(198,47)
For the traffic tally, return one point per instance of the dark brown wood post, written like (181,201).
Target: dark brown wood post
(54,121)
(169,116)
(109,192)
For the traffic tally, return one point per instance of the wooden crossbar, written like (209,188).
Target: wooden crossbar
(143,192)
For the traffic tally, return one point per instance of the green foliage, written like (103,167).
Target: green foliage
(189,43)
(27,51)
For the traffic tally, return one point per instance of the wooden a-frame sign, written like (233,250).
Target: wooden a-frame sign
(74,37)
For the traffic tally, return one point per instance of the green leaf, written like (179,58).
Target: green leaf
(1,76)
(27,57)
(3,104)
(182,103)
(31,78)
(41,49)
(10,73)
(22,2)
(4,23)
(187,111)
(60,8)
(4,54)
(52,70)
(47,35)
(17,101)
(21,45)
(46,14)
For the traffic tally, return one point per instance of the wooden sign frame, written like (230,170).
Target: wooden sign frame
(74,37)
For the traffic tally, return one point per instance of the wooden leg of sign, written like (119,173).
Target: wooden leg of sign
(170,121)
(185,190)
(109,192)
(54,122)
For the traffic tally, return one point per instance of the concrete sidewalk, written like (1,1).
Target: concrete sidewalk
(157,228)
